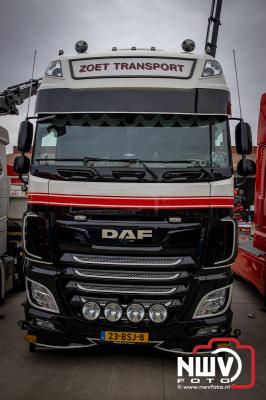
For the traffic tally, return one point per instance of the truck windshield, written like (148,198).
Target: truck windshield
(157,140)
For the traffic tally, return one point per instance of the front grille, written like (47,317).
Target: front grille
(121,260)
(122,289)
(115,275)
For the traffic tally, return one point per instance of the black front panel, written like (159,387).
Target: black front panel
(197,233)
(138,232)
(209,101)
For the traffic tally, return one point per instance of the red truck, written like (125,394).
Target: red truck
(251,259)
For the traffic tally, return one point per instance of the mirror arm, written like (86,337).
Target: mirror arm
(242,183)
(236,119)
(33,117)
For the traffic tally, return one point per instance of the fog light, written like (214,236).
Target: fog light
(113,312)
(214,303)
(158,313)
(91,311)
(39,296)
(208,330)
(135,312)
(44,324)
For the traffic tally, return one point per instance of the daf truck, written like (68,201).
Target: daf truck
(129,233)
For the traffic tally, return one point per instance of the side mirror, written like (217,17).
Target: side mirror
(25,136)
(243,138)
(22,164)
(246,167)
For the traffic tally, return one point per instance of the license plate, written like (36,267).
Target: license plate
(126,337)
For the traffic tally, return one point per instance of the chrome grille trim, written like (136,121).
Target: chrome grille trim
(116,275)
(150,290)
(121,260)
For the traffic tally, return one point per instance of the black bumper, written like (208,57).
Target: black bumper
(179,333)
(70,333)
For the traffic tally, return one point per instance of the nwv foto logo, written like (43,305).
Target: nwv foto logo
(221,369)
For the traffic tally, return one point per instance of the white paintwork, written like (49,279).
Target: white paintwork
(196,81)
(223,188)
(156,190)
(130,189)
(38,185)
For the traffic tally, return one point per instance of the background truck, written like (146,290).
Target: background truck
(13,200)
(12,207)
(251,259)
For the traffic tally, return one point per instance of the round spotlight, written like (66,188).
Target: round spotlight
(158,313)
(135,312)
(81,46)
(91,311)
(188,45)
(113,312)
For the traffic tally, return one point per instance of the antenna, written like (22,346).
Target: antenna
(32,73)
(213,27)
(237,84)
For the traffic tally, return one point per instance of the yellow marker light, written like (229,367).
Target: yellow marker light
(30,338)
(221,345)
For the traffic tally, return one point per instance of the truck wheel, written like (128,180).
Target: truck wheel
(32,347)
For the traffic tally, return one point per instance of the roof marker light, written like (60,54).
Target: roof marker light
(188,45)
(81,46)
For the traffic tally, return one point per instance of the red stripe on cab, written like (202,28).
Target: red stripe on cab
(130,202)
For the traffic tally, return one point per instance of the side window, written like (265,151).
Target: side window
(1,167)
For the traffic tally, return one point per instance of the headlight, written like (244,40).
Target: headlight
(113,312)
(40,296)
(54,69)
(135,312)
(158,313)
(214,303)
(211,68)
(91,311)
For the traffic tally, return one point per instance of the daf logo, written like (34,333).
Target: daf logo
(175,220)
(126,234)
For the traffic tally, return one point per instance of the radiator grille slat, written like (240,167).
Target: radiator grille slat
(122,260)
(123,289)
(130,275)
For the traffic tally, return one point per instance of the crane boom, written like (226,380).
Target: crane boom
(214,23)
(14,95)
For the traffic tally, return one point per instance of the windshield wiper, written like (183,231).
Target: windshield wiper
(145,166)
(196,163)
(88,161)
(129,160)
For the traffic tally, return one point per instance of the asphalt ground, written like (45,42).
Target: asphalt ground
(117,372)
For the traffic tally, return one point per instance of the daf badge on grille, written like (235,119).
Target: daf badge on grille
(175,220)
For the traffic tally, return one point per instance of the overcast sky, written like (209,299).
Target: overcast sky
(51,25)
